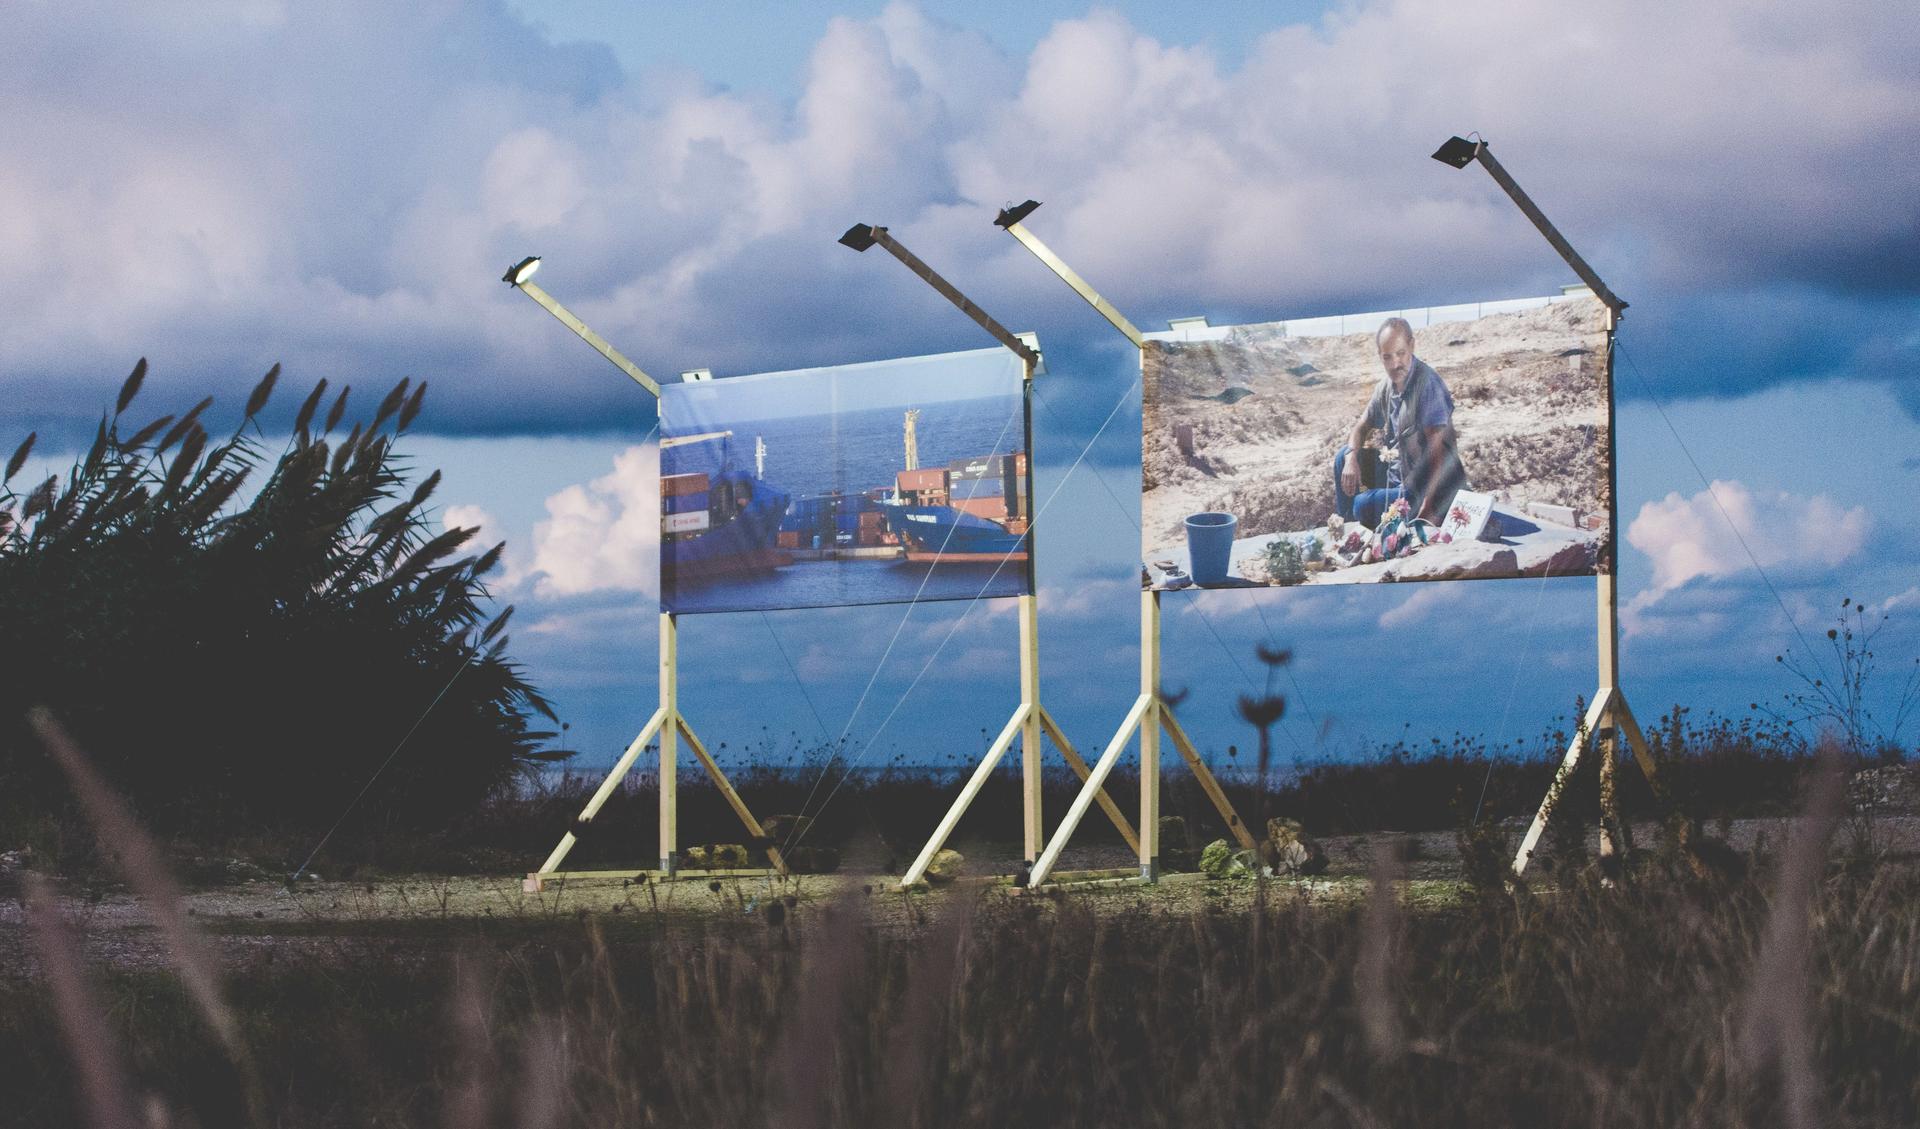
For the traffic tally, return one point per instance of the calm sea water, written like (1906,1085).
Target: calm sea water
(850,452)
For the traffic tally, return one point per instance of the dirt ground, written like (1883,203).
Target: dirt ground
(255,921)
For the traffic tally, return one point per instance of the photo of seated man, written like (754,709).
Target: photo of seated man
(1422,464)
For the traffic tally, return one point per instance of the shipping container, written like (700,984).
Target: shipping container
(918,480)
(789,539)
(993,509)
(683,523)
(976,468)
(684,503)
(674,485)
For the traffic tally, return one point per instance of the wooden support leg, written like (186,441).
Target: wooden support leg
(669,767)
(1208,784)
(732,797)
(605,791)
(1030,761)
(1613,833)
(1150,736)
(1072,756)
(974,783)
(1637,741)
(1560,777)
(1084,799)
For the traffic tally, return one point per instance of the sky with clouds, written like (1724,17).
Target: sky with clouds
(338,187)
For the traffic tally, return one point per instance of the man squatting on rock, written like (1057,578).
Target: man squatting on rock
(1414,407)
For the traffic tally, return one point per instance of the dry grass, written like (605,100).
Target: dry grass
(1658,1000)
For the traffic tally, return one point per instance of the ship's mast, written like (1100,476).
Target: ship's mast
(759,457)
(913,443)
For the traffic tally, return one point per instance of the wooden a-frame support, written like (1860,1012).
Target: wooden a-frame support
(667,723)
(1030,718)
(1608,715)
(1150,714)
(1030,721)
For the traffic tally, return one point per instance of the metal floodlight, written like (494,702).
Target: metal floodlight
(860,236)
(521,271)
(1010,216)
(1458,151)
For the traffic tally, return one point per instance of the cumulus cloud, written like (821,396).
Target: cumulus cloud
(604,534)
(1696,536)
(339,186)
(489,533)
(1425,601)
(1907,599)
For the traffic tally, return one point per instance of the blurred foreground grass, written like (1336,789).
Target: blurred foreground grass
(1656,1001)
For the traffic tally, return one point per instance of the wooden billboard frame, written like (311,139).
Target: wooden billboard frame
(1607,718)
(1030,719)
(667,722)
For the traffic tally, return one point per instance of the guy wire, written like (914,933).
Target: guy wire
(806,825)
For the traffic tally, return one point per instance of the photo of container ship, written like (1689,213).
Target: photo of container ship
(719,522)
(803,489)
(971,510)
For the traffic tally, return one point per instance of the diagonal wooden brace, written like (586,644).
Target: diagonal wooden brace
(732,797)
(1208,784)
(1080,769)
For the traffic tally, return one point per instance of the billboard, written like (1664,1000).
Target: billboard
(1444,443)
(858,484)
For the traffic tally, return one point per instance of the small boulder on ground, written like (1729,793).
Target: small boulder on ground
(717,856)
(806,859)
(1289,850)
(945,866)
(1219,860)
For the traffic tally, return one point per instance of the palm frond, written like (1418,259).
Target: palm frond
(339,409)
(308,407)
(19,458)
(262,391)
(131,387)
(140,437)
(412,408)
(41,497)
(187,423)
(391,404)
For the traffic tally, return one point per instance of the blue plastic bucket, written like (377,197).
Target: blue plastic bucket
(1209,545)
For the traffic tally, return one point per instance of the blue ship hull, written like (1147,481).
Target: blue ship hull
(746,542)
(942,532)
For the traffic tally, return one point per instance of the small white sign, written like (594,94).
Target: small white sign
(1467,517)
(683,523)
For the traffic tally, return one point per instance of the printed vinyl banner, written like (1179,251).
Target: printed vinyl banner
(1449,443)
(859,484)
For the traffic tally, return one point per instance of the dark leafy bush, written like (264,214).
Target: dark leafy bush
(238,664)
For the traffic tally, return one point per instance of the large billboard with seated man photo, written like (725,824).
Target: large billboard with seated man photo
(1439,443)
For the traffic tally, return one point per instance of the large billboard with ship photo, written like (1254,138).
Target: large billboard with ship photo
(870,483)
(1437,443)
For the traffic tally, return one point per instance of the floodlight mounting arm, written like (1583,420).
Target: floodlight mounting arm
(1458,151)
(532,290)
(862,236)
(1009,218)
